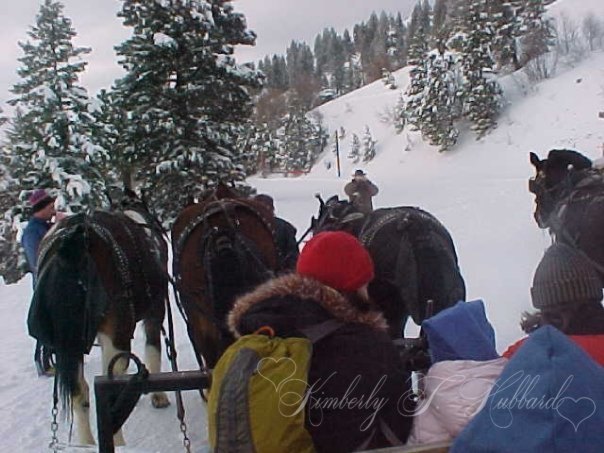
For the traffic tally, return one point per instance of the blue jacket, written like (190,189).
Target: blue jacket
(32,236)
(549,398)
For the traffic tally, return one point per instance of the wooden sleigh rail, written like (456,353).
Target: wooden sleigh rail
(439,447)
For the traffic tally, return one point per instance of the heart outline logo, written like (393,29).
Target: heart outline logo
(265,360)
(576,401)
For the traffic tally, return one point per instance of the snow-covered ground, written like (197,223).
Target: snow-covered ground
(479,191)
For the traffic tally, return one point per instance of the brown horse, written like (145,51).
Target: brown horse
(98,275)
(569,201)
(414,257)
(222,247)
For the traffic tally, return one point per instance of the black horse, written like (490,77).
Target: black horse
(414,256)
(569,201)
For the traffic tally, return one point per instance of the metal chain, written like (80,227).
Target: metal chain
(186,442)
(54,428)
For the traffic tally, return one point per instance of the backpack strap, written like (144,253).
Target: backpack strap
(389,434)
(317,332)
(386,431)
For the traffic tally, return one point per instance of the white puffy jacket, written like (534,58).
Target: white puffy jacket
(455,390)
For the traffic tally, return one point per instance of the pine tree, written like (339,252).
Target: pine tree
(355,149)
(49,134)
(185,95)
(537,33)
(368,146)
(506,24)
(13,265)
(482,95)
(441,106)
(303,138)
(400,114)
(416,57)
(439,25)
(297,132)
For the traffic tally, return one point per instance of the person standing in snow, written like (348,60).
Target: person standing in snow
(43,208)
(360,191)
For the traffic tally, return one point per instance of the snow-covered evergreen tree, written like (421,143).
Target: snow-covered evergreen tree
(355,149)
(482,94)
(368,145)
(186,97)
(537,31)
(473,37)
(389,79)
(12,259)
(49,135)
(441,104)
(302,138)
(506,25)
(400,115)
(259,150)
(416,57)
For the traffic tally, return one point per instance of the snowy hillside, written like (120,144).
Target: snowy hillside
(478,190)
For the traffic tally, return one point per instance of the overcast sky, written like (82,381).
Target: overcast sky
(276,22)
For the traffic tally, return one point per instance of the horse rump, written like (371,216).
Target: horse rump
(69,301)
(421,267)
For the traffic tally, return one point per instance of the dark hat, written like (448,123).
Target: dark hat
(39,199)
(564,277)
(336,259)
(359,173)
(265,199)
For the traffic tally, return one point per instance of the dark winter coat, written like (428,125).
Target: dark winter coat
(285,239)
(360,192)
(33,233)
(356,361)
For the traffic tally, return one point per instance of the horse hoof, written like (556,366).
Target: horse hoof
(159,400)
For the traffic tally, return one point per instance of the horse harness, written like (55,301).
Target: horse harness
(122,257)
(589,189)
(369,229)
(223,206)
(404,217)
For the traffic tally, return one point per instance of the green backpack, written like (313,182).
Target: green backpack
(258,394)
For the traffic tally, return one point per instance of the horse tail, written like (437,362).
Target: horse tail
(61,297)
(427,265)
(67,373)
(438,272)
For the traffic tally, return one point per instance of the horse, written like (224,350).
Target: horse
(414,257)
(99,274)
(569,202)
(222,246)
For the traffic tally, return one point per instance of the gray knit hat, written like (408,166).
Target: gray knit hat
(564,277)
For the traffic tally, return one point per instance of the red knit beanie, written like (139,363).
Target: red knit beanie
(336,259)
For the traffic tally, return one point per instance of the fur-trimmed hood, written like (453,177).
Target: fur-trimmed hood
(304,288)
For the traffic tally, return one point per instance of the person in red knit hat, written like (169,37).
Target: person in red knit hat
(355,362)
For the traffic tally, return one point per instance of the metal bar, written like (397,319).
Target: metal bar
(105,388)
